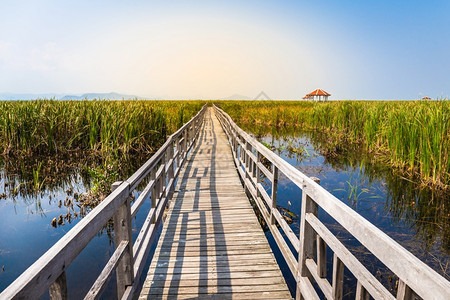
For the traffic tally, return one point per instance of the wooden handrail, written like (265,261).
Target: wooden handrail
(414,275)
(48,272)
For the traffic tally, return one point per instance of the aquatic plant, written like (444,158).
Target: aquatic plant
(412,136)
(109,128)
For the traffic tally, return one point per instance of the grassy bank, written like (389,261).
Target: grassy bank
(43,141)
(412,136)
(109,128)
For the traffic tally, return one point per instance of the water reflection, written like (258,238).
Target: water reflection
(26,215)
(416,218)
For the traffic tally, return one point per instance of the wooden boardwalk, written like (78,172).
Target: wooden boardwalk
(212,245)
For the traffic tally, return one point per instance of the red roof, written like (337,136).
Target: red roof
(306,97)
(318,92)
(426,98)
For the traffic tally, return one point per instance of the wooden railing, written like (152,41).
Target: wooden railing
(309,266)
(129,257)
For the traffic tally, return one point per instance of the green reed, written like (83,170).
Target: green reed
(107,128)
(413,136)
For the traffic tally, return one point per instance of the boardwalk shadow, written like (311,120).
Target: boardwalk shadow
(187,262)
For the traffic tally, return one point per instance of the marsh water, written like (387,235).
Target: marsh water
(26,230)
(417,219)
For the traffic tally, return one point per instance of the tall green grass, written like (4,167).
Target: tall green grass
(108,128)
(413,136)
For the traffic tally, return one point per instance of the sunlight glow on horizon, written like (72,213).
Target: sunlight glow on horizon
(207,50)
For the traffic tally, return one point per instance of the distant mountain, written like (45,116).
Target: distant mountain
(13,96)
(237,97)
(108,96)
(87,96)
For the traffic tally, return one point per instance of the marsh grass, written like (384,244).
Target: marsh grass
(411,136)
(110,128)
(47,136)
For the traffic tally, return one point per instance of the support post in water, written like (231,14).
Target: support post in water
(258,174)
(404,292)
(248,165)
(153,196)
(185,142)
(122,232)
(170,172)
(307,237)
(58,289)
(274,194)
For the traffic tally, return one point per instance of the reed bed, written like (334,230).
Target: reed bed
(412,136)
(108,128)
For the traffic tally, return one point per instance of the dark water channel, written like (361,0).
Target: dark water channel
(417,219)
(26,231)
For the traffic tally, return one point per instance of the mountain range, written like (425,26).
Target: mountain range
(92,96)
(87,96)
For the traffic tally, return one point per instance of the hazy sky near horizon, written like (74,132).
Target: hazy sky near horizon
(213,49)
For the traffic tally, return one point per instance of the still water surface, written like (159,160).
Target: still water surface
(418,220)
(26,232)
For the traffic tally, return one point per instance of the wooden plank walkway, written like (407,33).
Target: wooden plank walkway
(212,245)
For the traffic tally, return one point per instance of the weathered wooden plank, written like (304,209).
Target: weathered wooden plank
(418,276)
(105,275)
(213,289)
(225,213)
(404,292)
(213,206)
(177,253)
(213,226)
(212,240)
(373,286)
(232,295)
(321,257)
(122,232)
(205,261)
(338,278)
(266,266)
(250,277)
(211,193)
(193,209)
(361,292)
(212,248)
(212,197)
(142,197)
(58,289)
(207,283)
(323,283)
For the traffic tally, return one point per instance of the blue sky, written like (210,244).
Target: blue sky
(213,49)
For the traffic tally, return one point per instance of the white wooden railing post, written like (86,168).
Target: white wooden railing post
(58,289)
(307,247)
(178,142)
(236,145)
(338,278)
(164,161)
(274,194)
(170,159)
(248,165)
(122,232)
(258,174)
(185,140)
(361,292)
(153,195)
(404,292)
